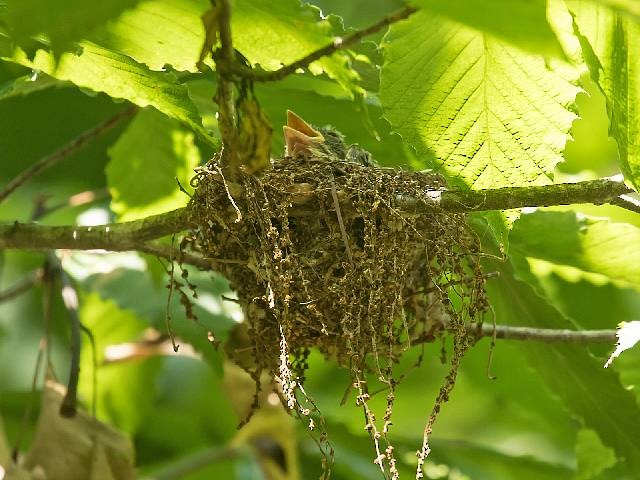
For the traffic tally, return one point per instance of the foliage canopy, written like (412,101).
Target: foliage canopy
(486,94)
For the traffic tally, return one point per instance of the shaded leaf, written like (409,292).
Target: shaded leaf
(480,111)
(591,245)
(590,393)
(522,23)
(77,448)
(145,163)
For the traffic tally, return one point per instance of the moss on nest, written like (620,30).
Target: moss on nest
(323,256)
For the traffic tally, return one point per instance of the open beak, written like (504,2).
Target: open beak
(300,138)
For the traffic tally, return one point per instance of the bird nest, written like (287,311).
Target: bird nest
(355,261)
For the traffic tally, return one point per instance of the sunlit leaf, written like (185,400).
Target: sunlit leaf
(480,111)
(61,21)
(271,34)
(120,77)
(612,52)
(522,23)
(145,163)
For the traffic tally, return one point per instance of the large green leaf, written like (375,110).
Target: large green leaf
(612,51)
(520,22)
(591,245)
(275,33)
(118,76)
(145,163)
(482,112)
(161,32)
(62,21)
(589,392)
(158,33)
(111,326)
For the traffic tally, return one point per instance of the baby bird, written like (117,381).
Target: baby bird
(303,140)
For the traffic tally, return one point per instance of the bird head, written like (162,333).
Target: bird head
(304,140)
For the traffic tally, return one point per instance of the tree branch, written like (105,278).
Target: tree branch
(600,191)
(135,235)
(71,147)
(548,335)
(337,44)
(116,237)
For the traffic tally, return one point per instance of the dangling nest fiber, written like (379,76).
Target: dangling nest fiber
(324,255)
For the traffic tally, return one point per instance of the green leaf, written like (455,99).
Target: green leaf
(610,43)
(272,34)
(590,245)
(62,21)
(27,84)
(145,162)
(522,23)
(482,112)
(269,34)
(119,76)
(124,390)
(321,102)
(158,33)
(593,457)
(589,392)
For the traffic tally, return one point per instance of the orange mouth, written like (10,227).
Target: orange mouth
(300,138)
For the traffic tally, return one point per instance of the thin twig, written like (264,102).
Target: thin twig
(547,335)
(69,404)
(164,251)
(337,44)
(71,147)
(22,286)
(343,231)
(170,286)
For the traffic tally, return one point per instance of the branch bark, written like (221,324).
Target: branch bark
(135,235)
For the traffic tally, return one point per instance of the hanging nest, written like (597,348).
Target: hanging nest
(327,255)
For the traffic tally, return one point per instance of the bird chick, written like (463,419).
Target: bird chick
(304,140)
